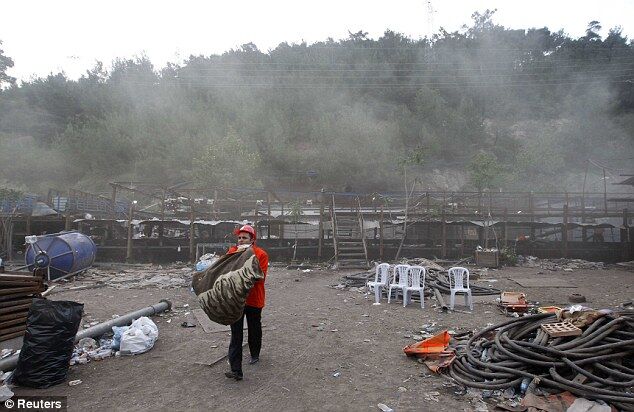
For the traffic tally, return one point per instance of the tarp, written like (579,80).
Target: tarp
(42,209)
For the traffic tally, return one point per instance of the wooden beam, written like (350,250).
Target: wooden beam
(128,252)
(626,236)
(321,228)
(161,225)
(443,234)
(192,248)
(268,214)
(381,234)
(506,228)
(605,194)
(564,234)
(67,224)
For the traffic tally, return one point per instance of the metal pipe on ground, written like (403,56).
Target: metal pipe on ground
(11,362)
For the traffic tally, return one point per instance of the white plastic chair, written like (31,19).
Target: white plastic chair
(381,280)
(399,281)
(459,283)
(416,276)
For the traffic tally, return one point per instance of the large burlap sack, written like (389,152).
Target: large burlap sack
(222,289)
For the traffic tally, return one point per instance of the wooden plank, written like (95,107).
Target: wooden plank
(9,304)
(12,330)
(12,335)
(30,289)
(16,315)
(17,308)
(10,323)
(443,234)
(9,284)
(321,227)
(15,276)
(19,295)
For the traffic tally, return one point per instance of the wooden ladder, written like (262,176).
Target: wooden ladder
(350,251)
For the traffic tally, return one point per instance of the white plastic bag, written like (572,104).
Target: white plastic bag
(139,337)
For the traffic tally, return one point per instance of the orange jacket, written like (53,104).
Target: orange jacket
(255,298)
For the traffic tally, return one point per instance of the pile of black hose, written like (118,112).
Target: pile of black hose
(598,364)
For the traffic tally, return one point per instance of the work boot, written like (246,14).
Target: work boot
(234,375)
(254,360)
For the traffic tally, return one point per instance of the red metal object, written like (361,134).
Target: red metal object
(435,345)
(514,302)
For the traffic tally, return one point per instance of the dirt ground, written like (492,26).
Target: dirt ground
(325,349)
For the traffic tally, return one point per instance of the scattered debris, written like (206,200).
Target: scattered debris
(432,396)
(585,405)
(384,407)
(568,265)
(5,394)
(628,265)
(74,383)
(133,277)
(513,302)
(576,298)
(87,349)
(556,403)
(548,309)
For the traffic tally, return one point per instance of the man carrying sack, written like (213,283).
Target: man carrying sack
(232,288)
(252,309)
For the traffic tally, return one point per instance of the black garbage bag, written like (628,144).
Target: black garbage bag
(48,343)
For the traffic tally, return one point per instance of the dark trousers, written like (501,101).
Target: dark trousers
(254,326)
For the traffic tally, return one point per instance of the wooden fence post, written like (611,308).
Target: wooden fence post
(192,248)
(564,234)
(443,250)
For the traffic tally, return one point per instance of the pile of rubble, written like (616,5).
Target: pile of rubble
(566,265)
(88,349)
(132,277)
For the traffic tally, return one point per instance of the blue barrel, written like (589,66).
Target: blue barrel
(61,253)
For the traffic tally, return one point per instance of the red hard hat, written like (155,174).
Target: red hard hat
(246,228)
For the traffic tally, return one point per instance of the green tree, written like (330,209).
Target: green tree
(5,63)
(484,171)
(228,163)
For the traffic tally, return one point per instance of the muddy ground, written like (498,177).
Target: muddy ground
(325,349)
